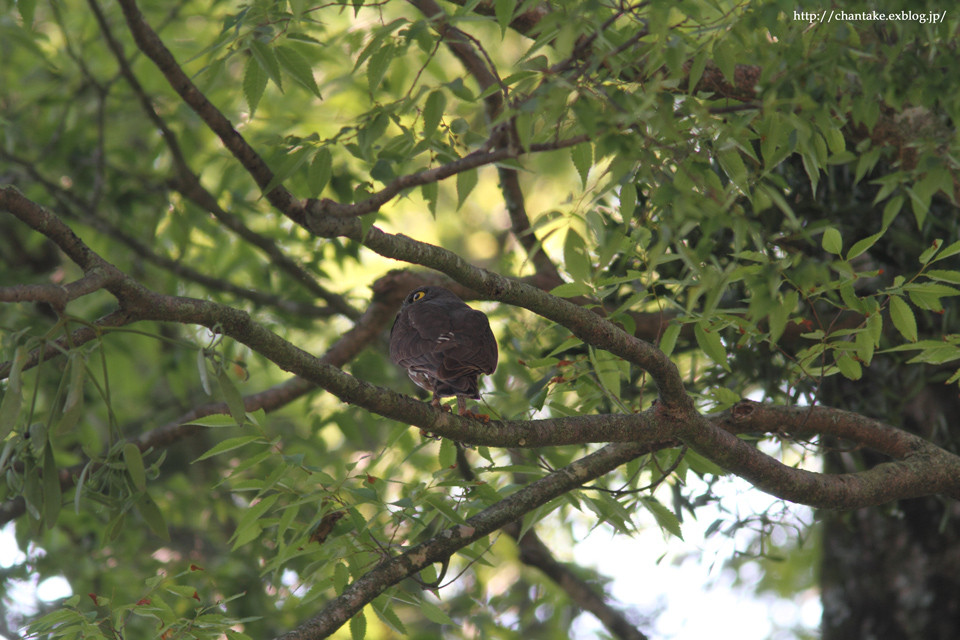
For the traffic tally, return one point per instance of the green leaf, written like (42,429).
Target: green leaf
(320,171)
(10,410)
(440,504)
(781,314)
(252,514)
(832,242)
(268,61)
(288,166)
(341,577)
(930,251)
(567,344)
(228,445)
(920,206)
(433,112)
(864,346)
(13,398)
(381,606)
(932,288)
(504,9)
(862,245)
(628,201)
(696,69)
(903,319)
(572,289)
(254,83)
(940,354)
(448,454)
(951,250)
(866,163)
(214,421)
(358,626)
(669,338)
(710,343)
(772,141)
(151,514)
(297,66)
(366,223)
(724,57)
(849,297)
(32,490)
(944,276)
(665,518)
(606,367)
(78,492)
(72,410)
(379,62)
(431,192)
(733,166)
(703,466)
(849,367)
(875,326)
(582,157)
(466,181)
(134,461)
(891,209)
(575,258)
(232,397)
(204,373)
(78,367)
(435,614)
(52,496)
(27,8)
(812,167)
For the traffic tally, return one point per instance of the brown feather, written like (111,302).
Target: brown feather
(442,343)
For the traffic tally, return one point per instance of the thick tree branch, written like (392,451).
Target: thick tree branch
(926,469)
(923,470)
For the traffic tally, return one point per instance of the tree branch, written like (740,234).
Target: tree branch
(441,546)
(149,42)
(189,184)
(379,313)
(926,469)
(483,72)
(535,553)
(583,323)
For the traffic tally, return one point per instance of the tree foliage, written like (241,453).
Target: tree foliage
(685,220)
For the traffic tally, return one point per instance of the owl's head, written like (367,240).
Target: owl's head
(421,294)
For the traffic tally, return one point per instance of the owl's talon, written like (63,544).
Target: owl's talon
(482,417)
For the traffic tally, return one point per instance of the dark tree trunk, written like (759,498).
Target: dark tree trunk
(893,572)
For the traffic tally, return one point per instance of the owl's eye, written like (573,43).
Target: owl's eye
(418,295)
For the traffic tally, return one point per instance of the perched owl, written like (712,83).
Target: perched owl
(443,344)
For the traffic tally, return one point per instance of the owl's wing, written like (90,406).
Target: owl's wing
(414,339)
(472,345)
(447,340)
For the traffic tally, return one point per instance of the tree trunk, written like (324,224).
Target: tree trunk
(893,572)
